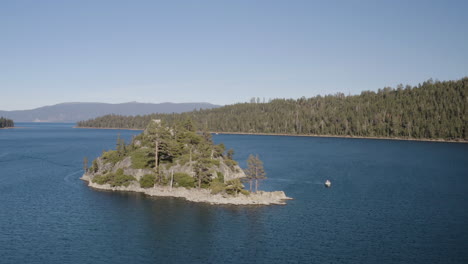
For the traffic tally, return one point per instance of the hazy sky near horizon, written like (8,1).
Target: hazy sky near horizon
(222,52)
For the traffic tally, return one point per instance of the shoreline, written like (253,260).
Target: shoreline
(338,136)
(308,135)
(198,195)
(135,129)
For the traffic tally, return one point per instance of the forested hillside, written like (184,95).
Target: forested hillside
(431,110)
(4,122)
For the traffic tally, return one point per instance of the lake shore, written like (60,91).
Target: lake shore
(308,135)
(135,129)
(338,136)
(198,195)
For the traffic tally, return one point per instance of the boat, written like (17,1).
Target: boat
(327,183)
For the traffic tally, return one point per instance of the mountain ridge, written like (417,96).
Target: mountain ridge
(75,111)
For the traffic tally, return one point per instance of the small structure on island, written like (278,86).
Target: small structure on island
(328,183)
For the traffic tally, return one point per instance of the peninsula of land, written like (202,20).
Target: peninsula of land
(178,162)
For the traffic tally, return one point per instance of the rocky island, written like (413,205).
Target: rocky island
(6,123)
(179,162)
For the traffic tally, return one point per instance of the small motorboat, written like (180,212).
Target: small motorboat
(327,183)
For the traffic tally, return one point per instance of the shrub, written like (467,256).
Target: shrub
(210,162)
(122,180)
(147,181)
(94,167)
(184,180)
(114,179)
(111,156)
(102,179)
(230,163)
(234,187)
(245,192)
(142,158)
(217,186)
(220,176)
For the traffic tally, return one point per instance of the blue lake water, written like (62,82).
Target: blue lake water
(390,202)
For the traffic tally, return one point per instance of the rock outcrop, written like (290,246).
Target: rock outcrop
(198,195)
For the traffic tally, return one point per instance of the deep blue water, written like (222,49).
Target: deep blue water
(390,202)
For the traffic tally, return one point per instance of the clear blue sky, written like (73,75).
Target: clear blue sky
(222,52)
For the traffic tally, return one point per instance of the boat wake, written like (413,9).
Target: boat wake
(72,180)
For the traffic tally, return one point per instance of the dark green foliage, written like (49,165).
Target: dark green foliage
(219,150)
(147,181)
(142,158)
(430,110)
(121,147)
(183,180)
(234,187)
(230,154)
(5,122)
(114,179)
(111,156)
(184,159)
(122,180)
(94,167)
(203,171)
(102,179)
(220,176)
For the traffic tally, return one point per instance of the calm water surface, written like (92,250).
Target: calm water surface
(390,202)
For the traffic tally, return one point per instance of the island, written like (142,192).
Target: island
(6,123)
(177,161)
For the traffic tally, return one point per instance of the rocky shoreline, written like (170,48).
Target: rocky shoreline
(198,195)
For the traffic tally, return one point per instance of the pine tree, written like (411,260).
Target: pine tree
(254,171)
(85,164)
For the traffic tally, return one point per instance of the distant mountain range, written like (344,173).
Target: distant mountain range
(73,112)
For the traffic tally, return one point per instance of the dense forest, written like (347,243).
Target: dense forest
(4,122)
(431,110)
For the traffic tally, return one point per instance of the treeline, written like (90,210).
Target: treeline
(4,122)
(431,110)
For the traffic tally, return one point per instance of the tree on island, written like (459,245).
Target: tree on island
(121,147)
(170,156)
(163,144)
(5,122)
(85,164)
(255,171)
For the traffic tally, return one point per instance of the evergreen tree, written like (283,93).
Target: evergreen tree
(254,171)
(121,147)
(85,164)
